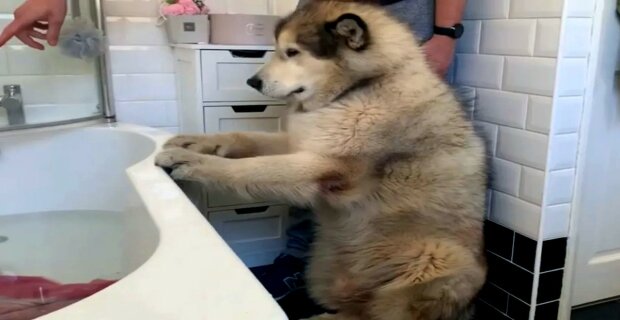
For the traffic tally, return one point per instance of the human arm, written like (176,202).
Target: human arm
(440,49)
(36,19)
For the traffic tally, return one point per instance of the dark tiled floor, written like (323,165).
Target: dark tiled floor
(604,311)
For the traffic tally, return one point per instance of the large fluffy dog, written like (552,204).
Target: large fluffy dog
(381,150)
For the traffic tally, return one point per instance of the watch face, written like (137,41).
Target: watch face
(458,30)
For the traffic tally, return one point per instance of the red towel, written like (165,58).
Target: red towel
(24,297)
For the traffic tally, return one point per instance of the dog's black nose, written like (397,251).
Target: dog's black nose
(255,82)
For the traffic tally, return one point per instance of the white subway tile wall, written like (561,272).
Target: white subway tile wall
(501,107)
(523,147)
(572,66)
(547,38)
(477,70)
(527,60)
(506,176)
(487,9)
(575,45)
(536,8)
(142,63)
(532,185)
(572,77)
(560,185)
(522,34)
(529,75)
(579,8)
(520,215)
(567,115)
(556,220)
(563,151)
(4,61)
(539,114)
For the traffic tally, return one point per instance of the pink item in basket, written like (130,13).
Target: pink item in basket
(190,7)
(173,10)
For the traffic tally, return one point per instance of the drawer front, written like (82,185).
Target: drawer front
(264,118)
(225,72)
(241,118)
(257,235)
(219,198)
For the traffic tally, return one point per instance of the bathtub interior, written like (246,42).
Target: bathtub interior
(68,212)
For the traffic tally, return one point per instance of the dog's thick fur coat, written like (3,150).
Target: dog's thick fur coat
(381,150)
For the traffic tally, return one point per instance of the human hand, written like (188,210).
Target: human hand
(439,52)
(36,19)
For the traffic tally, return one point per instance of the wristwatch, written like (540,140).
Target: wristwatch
(453,32)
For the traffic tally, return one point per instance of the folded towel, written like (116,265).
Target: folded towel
(23,297)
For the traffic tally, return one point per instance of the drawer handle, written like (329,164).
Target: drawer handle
(245,109)
(248,53)
(251,210)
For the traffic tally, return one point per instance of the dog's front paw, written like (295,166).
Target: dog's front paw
(185,141)
(221,145)
(175,157)
(184,172)
(204,144)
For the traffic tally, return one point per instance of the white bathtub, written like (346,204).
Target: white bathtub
(175,265)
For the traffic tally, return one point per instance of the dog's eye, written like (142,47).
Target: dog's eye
(291,52)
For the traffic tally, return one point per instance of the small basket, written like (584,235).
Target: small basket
(188,29)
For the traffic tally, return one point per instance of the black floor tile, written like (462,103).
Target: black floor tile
(498,239)
(518,310)
(510,277)
(550,286)
(524,252)
(553,254)
(486,312)
(547,311)
(494,296)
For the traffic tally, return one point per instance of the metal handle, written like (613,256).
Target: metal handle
(251,210)
(248,53)
(247,109)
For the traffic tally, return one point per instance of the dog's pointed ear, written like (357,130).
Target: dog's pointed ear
(352,29)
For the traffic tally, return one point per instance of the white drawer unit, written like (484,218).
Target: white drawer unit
(257,234)
(224,74)
(213,97)
(217,199)
(266,118)
(241,118)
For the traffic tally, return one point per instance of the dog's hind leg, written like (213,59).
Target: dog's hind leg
(299,178)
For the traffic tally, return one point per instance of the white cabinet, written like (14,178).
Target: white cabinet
(213,97)
(224,73)
(266,118)
(256,234)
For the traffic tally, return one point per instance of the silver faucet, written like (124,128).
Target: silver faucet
(14,104)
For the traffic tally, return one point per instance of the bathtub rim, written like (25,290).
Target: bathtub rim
(228,289)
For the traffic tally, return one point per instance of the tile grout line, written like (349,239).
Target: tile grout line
(492,307)
(510,294)
(518,266)
(514,239)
